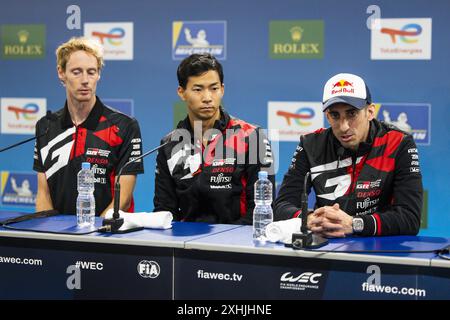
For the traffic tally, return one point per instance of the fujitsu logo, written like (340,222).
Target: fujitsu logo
(220,178)
(367,203)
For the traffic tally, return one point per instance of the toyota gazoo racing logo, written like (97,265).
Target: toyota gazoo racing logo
(97,152)
(368,184)
(223,162)
(148,269)
(306,280)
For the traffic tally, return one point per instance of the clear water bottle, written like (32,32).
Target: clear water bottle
(262,214)
(85,199)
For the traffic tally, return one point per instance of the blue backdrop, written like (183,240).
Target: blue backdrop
(252,78)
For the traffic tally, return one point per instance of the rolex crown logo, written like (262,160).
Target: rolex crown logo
(23,36)
(296,33)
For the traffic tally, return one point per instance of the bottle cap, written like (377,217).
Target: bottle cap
(85,165)
(262,175)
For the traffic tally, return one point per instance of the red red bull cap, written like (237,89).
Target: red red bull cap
(346,88)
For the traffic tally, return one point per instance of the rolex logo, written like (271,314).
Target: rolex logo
(23,36)
(23,41)
(296,33)
(296,39)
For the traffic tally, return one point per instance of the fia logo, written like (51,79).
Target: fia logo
(148,269)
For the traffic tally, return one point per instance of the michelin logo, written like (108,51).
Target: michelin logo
(18,189)
(410,118)
(199,37)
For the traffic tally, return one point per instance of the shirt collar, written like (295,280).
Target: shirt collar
(220,124)
(92,120)
(363,147)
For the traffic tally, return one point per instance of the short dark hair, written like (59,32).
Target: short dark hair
(195,65)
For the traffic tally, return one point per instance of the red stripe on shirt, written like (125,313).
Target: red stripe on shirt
(378,220)
(131,208)
(110,136)
(81,142)
(385,162)
(297,214)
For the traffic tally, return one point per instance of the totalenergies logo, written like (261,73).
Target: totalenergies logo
(28,111)
(409,30)
(299,117)
(111,36)
(342,86)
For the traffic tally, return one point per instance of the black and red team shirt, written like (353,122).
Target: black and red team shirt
(213,184)
(380,182)
(107,139)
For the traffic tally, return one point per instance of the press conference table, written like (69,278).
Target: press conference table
(202,261)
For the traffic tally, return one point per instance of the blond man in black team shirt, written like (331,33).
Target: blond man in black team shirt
(84,130)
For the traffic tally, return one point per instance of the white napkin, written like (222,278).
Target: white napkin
(282,230)
(152,220)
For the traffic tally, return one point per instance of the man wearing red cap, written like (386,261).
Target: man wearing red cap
(365,173)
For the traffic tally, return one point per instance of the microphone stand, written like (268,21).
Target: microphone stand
(305,238)
(113,224)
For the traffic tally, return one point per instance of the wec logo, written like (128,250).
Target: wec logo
(305,277)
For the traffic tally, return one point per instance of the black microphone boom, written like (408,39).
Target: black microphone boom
(49,116)
(113,225)
(305,238)
(47,213)
(304,201)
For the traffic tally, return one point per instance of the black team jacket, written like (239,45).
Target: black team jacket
(213,184)
(380,182)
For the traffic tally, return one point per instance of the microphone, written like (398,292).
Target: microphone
(305,238)
(41,214)
(50,117)
(26,217)
(113,225)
